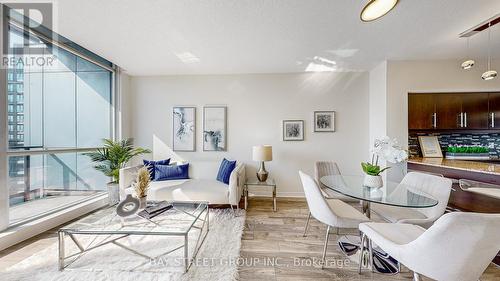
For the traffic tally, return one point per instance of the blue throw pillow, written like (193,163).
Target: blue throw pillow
(171,172)
(150,164)
(225,169)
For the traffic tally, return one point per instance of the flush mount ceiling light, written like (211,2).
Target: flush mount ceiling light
(376,9)
(468,64)
(489,74)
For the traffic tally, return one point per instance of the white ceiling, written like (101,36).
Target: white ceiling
(167,37)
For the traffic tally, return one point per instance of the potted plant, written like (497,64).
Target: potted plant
(111,158)
(463,152)
(387,149)
(372,177)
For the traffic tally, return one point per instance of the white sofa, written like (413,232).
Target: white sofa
(201,185)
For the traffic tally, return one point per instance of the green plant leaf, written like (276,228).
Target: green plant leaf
(114,156)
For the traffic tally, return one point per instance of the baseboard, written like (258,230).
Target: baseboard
(14,235)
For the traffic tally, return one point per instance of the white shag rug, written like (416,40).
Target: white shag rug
(216,260)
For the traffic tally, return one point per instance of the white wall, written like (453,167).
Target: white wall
(378,106)
(427,76)
(257,104)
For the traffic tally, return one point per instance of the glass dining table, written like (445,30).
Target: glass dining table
(391,194)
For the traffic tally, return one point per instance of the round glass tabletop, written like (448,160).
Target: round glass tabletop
(392,193)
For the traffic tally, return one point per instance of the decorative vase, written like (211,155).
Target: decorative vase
(262,174)
(373,181)
(113,193)
(143,202)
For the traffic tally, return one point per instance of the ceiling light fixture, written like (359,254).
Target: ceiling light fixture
(468,64)
(376,9)
(489,74)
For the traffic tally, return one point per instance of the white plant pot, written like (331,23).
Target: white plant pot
(373,181)
(113,193)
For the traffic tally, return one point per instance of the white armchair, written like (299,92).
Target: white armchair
(437,187)
(458,246)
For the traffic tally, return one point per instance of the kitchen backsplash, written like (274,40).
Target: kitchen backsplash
(490,140)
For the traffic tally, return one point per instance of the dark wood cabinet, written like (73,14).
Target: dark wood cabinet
(494,110)
(421,111)
(448,111)
(453,111)
(475,110)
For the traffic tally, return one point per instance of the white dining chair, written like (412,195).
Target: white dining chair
(329,168)
(322,169)
(458,246)
(437,187)
(333,212)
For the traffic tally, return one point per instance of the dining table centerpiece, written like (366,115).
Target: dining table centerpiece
(386,149)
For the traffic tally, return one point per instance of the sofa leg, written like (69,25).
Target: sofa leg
(232,209)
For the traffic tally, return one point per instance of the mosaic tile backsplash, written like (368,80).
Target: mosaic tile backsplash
(490,140)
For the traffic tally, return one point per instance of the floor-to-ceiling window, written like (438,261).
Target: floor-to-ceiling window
(57,108)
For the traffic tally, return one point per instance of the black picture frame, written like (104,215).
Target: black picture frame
(316,124)
(302,131)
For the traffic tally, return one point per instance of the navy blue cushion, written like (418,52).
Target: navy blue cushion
(225,169)
(171,172)
(150,164)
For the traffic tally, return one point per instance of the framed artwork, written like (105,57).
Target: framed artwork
(184,128)
(293,130)
(429,145)
(324,121)
(214,128)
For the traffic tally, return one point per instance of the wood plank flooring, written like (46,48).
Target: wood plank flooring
(277,237)
(273,241)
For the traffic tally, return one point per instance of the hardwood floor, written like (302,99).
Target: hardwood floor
(272,248)
(277,237)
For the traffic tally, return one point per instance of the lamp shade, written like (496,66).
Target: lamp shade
(262,153)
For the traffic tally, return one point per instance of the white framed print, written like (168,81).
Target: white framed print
(184,128)
(324,121)
(214,128)
(293,130)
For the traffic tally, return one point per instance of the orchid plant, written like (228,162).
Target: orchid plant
(387,149)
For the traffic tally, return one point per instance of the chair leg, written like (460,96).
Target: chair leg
(416,276)
(370,248)
(307,224)
(362,249)
(232,208)
(326,245)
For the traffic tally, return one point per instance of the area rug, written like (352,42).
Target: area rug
(216,260)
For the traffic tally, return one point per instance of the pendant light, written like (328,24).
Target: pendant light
(489,74)
(376,9)
(468,64)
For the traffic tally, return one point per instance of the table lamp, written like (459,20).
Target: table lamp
(262,153)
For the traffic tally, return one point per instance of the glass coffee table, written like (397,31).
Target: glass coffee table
(179,221)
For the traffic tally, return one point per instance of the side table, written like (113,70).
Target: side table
(255,182)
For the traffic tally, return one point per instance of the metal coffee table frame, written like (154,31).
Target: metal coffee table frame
(72,234)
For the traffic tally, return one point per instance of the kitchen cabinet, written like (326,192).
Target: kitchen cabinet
(475,111)
(453,111)
(448,111)
(421,111)
(494,110)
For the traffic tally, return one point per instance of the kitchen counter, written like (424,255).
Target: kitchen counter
(465,165)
